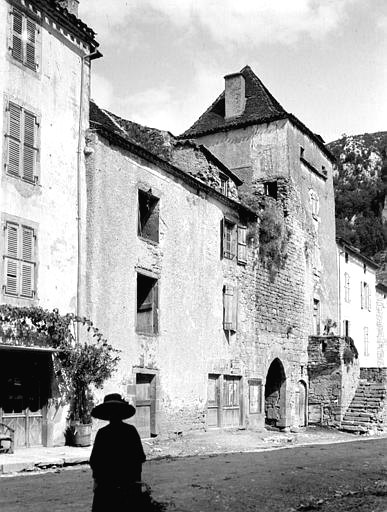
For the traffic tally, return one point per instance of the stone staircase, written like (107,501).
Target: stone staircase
(368,409)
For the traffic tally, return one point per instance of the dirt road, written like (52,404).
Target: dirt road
(342,477)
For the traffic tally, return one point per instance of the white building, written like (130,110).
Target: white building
(358,304)
(44,87)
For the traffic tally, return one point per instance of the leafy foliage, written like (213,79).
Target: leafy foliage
(78,365)
(360,186)
(274,234)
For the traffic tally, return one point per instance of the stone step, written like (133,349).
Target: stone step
(356,414)
(365,424)
(353,428)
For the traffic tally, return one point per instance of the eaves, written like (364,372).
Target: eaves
(118,140)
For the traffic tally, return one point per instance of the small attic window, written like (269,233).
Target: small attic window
(302,152)
(148,216)
(224,184)
(270,188)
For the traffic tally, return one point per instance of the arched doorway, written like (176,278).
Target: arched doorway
(301,408)
(275,395)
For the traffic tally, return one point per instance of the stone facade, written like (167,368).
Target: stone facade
(334,371)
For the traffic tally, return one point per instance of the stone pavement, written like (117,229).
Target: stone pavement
(189,444)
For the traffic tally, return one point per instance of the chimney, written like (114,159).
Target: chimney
(235,99)
(70,5)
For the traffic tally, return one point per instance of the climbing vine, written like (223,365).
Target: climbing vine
(274,234)
(77,365)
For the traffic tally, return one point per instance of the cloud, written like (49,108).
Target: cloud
(226,21)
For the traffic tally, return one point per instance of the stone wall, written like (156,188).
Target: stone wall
(334,371)
(377,375)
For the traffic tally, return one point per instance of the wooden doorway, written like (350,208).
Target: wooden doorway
(146,404)
(213,401)
(231,401)
(24,390)
(301,403)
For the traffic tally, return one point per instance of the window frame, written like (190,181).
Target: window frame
(27,18)
(155,325)
(347,296)
(366,341)
(21,261)
(27,141)
(154,214)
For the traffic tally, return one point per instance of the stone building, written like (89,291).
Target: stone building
(44,86)
(276,154)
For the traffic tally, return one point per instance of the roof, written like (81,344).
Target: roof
(381,287)
(135,140)
(261,107)
(159,142)
(68,20)
(356,252)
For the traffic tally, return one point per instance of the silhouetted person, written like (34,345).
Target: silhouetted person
(117,457)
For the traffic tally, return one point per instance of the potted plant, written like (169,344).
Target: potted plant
(87,365)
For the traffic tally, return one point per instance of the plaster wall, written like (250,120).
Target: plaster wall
(381,328)
(53,93)
(359,317)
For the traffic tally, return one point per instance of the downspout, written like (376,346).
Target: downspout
(92,55)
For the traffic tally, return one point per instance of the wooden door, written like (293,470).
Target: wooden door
(145,403)
(231,401)
(213,401)
(301,404)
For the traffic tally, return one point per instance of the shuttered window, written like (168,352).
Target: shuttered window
(346,287)
(23,39)
(230,308)
(147,305)
(19,260)
(242,255)
(22,143)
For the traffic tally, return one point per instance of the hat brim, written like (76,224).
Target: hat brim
(113,409)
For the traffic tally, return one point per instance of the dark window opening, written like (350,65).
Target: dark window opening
(346,327)
(270,189)
(147,304)
(224,184)
(148,216)
(302,151)
(346,257)
(316,317)
(229,240)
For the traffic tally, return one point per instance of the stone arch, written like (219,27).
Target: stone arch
(275,395)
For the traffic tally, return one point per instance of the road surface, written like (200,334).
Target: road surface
(341,477)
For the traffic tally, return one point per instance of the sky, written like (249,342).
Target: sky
(164,61)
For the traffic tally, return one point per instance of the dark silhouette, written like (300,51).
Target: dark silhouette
(116,459)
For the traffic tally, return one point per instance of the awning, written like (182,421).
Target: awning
(5,346)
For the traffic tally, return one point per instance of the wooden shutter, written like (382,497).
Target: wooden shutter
(222,237)
(30,54)
(156,307)
(241,252)
(27,279)
(14,139)
(362,294)
(11,262)
(234,325)
(17,35)
(230,308)
(29,147)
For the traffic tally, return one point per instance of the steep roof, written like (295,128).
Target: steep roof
(159,142)
(261,107)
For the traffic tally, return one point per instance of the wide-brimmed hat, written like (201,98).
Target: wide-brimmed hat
(113,407)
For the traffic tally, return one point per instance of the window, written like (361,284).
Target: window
(302,151)
(148,216)
(230,308)
(366,345)
(346,257)
(346,287)
(270,188)
(224,184)
(22,147)
(147,304)
(346,328)
(23,39)
(316,317)
(365,293)
(19,260)
(233,241)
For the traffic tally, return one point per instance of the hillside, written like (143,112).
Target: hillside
(360,182)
